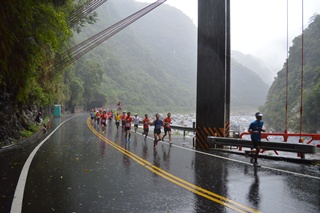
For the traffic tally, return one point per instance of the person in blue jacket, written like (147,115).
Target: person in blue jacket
(255,129)
(157,130)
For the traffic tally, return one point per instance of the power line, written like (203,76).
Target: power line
(84,11)
(89,44)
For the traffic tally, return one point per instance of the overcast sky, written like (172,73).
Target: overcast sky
(259,27)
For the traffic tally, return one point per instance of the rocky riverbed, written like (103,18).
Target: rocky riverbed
(238,122)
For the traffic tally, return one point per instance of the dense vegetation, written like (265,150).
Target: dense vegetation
(150,66)
(256,65)
(33,33)
(275,106)
(248,90)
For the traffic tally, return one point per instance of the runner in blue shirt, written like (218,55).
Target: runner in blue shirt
(255,130)
(157,130)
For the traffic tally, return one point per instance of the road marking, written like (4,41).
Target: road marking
(242,162)
(265,167)
(17,201)
(174,179)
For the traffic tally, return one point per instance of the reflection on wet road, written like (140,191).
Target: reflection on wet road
(81,169)
(174,179)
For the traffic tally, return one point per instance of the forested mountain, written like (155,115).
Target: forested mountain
(275,106)
(256,65)
(34,37)
(149,66)
(157,57)
(248,90)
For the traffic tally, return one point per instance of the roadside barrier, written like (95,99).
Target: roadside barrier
(266,145)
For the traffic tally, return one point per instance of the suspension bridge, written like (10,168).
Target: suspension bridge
(95,171)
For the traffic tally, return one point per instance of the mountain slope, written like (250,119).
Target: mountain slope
(148,66)
(151,65)
(256,65)
(248,90)
(275,106)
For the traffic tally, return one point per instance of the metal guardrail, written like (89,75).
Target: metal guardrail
(285,136)
(184,128)
(267,145)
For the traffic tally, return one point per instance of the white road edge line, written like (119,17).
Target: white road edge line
(265,167)
(238,161)
(17,201)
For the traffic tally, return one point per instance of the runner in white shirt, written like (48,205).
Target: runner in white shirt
(136,122)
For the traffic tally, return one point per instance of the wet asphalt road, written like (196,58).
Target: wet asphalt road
(78,169)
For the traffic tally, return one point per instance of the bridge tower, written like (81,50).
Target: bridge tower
(213,75)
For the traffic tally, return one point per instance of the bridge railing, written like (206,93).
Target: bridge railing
(184,128)
(267,145)
(285,136)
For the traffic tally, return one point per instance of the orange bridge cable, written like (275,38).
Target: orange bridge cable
(287,72)
(302,73)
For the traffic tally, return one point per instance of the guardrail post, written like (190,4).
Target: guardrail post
(194,142)
(301,155)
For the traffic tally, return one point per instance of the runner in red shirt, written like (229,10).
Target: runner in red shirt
(146,123)
(104,117)
(98,115)
(167,128)
(123,119)
(128,127)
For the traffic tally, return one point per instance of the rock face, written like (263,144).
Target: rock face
(8,121)
(13,118)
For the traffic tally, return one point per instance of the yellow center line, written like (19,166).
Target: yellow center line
(174,179)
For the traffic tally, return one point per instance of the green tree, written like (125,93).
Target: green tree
(274,108)
(32,33)
(90,74)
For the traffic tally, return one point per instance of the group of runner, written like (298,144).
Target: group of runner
(102,116)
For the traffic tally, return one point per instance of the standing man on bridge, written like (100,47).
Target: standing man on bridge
(255,130)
